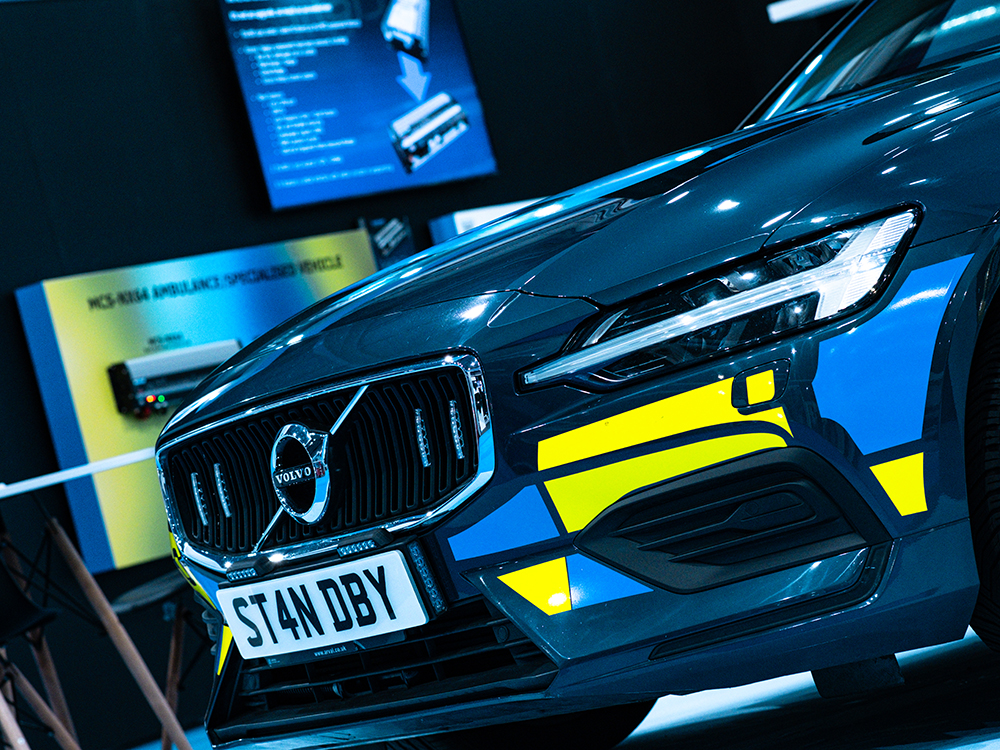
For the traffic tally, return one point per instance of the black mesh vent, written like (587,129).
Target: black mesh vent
(377,473)
(467,653)
(748,517)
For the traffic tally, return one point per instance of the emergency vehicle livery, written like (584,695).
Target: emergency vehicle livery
(731,414)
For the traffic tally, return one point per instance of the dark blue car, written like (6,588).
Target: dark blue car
(731,414)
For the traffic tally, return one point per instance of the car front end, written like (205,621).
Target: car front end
(695,425)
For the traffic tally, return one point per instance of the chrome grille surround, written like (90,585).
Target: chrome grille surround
(481,422)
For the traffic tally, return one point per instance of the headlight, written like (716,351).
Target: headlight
(746,304)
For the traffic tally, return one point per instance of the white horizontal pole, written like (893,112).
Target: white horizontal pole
(789,10)
(58,477)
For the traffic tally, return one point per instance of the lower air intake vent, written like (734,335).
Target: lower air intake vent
(469,653)
(743,519)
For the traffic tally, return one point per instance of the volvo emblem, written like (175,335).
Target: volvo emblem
(299,472)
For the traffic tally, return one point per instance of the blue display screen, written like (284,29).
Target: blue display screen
(353,97)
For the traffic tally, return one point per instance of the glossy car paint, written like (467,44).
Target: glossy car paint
(879,395)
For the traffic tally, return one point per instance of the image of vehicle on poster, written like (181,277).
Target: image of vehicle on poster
(435,123)
(153,383)
(424,131)
(406,26)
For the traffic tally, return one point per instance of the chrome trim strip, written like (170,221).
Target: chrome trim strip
(456,430)
(487,465)
(263,537)
(199,498)
(421,430)
(603,328)
(348,409)
(220,487)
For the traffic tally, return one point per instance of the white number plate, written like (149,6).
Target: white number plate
(346,602)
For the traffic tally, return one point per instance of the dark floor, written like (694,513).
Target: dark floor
(951,700)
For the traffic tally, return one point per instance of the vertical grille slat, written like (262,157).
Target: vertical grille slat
(442,428)
(374,460)
(413,403)
(240,467)
(391,447)
(258,451)
(220,522)
(409,472)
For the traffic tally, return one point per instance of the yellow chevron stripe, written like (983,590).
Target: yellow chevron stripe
(546,585)
(580,498)
(903,481)
(708,406)
(224,644)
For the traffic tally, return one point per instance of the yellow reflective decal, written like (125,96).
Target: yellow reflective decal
(186,573)
(903,482)
(225,642)
(760,387)
(580,498)
(703,407)
(546,585)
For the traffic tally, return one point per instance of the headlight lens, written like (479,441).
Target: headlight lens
(747,304)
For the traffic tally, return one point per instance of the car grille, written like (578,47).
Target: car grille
(468,653)
(408,444)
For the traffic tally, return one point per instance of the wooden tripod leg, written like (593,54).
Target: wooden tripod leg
(40,650)
(6,689)
(41,708)
(50,681)
(174,667)
(10,728)
(120,637)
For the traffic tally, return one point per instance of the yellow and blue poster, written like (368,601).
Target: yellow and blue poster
(79,326)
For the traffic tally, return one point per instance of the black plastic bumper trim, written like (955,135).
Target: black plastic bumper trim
(863,590)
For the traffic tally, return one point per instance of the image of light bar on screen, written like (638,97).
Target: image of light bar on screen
(425,131)
(146,385)
(406,26)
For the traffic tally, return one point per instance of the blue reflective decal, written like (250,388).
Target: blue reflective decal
(208,585)
(873,379)
(592,583)
(522,520)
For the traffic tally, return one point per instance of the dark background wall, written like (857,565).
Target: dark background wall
(123,140)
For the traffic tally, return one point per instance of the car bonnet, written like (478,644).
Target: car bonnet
(696,209)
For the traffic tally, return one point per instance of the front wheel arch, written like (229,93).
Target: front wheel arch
(982,470)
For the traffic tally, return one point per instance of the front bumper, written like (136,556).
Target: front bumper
(857,559)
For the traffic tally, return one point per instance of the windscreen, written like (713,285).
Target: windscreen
(890,39)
